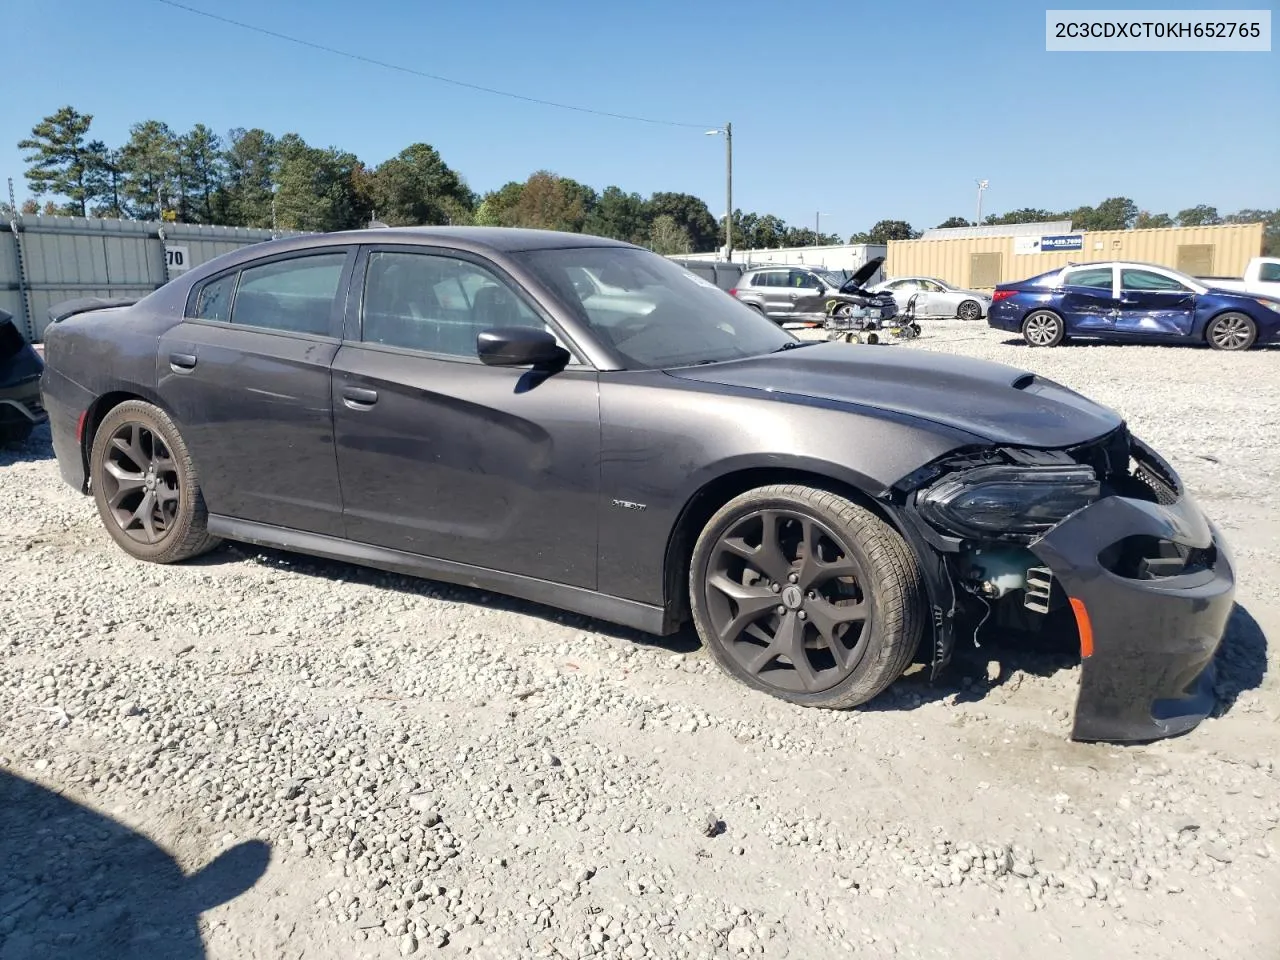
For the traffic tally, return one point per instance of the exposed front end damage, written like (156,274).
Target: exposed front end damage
(1102,533)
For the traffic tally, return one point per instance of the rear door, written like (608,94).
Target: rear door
(776,294)
(443,456)
(1154,304)
(1087,300)
(246,376)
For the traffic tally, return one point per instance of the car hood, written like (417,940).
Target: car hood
(1000,403)
(861,275)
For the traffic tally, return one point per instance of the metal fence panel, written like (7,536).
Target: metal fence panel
(66,257)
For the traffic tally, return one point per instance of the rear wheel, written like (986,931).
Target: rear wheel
(807,596)
(1043,328)
(1231,331)
(146,487)
(969,310)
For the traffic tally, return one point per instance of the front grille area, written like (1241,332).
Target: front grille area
(1150,470)
(1153,558)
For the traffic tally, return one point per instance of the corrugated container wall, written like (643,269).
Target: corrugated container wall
(982,262)
(52,259)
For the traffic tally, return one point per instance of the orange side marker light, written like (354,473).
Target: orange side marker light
(1084,626)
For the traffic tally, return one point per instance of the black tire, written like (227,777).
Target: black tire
(1043,328)
(167,535)
(1231,331)
(15,434)
(969,310)
(886,587)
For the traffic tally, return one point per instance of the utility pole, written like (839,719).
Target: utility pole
(728,191)
(728,186)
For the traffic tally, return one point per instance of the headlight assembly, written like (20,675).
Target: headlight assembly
(994,501)
(1269,304)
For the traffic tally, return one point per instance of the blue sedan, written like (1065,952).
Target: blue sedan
(1134,303)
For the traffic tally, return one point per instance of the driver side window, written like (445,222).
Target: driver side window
(436,304)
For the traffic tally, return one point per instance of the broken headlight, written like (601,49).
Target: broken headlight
(994,501)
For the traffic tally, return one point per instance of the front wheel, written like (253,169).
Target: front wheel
(969,310)
(1043,328)
(805,595)
(1231,331)
(146,487)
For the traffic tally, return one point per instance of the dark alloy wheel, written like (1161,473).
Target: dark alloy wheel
(805,595)
(146,487)
(1231,331)
(969,310)
(1043,328)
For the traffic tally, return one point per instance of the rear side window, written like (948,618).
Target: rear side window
(1097,278)
(214,300)
(1269,272)
(294,295)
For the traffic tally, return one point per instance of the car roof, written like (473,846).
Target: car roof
(500,239)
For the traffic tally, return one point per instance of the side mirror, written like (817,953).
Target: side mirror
(519,347)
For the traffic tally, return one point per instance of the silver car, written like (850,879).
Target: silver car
(936,298)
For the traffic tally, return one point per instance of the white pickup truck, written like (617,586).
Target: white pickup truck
(1262,275)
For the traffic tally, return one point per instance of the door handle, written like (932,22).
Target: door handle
(1127,302)
(182,362)
(359,398)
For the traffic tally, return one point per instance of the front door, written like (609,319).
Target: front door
(246,377)
(1154,304)
(1088,302)
(807,295)
(442,456)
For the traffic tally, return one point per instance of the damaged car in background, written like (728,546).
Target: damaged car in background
(455,403)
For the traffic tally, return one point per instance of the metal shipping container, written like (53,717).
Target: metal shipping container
(980,262)
(51,259)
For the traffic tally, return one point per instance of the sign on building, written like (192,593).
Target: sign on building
(1065,241)
(177,259)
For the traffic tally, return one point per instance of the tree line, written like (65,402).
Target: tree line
(252,178)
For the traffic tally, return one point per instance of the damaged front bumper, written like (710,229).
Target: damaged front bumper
(1152,586)
(1146,575)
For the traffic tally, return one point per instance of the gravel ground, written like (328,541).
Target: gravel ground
(262,755)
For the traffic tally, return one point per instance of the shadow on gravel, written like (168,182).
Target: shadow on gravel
(76,884)
(684,641)
(38,447)
(1241,660)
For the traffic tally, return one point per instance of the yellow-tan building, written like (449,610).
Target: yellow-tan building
(981,257)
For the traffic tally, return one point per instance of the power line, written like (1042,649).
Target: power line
(421,73)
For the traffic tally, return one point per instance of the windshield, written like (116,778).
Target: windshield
(830,279)
(653,313)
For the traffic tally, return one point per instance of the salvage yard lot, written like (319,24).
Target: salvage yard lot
(439,771)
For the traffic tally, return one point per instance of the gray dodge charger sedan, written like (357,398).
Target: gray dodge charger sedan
(582,423)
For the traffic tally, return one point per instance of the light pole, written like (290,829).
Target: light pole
(982,185)
(817,233)
(727,130)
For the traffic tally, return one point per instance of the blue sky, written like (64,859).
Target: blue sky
(860,111)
